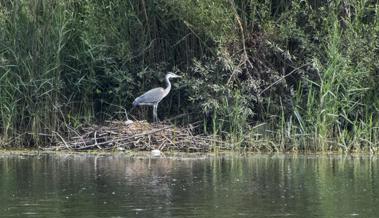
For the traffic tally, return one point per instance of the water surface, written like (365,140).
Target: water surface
(84,185)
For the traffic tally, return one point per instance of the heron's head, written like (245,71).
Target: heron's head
(172,75)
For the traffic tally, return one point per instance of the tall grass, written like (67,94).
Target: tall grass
(65,63)
(32,39)
(337,110)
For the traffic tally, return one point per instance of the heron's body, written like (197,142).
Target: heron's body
(151,97)
(154,96)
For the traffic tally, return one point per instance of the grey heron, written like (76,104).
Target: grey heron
(154,96)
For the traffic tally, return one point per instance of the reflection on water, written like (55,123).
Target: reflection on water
(79,185)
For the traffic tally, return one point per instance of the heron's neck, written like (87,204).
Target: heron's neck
(168,84)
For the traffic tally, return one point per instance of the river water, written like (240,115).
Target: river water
(119,185)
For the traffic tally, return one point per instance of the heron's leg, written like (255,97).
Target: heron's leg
(154,113)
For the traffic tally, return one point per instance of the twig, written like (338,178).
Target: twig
(64,142)
(283,77)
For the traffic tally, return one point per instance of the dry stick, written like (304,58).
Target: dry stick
(116,139)
(72,129)
(283,77)
(136,142)
(86,141)
(172,143)
(64,142)
(149,141)
(189,26)
(245,56)
(180,40)
(210,139)
(162,145)
(98,146)
(177,117)
(240,26)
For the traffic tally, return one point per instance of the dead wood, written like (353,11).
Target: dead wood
(139,135)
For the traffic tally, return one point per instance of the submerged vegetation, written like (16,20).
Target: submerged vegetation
(261,74)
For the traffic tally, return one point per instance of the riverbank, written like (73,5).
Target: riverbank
(257,75)
(135,136)
(180,155)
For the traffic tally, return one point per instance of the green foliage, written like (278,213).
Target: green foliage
(342,97)
(227,109)
(211,20)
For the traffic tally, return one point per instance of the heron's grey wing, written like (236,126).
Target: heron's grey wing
(150,97)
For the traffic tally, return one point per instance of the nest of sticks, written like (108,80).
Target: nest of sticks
(138,135)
